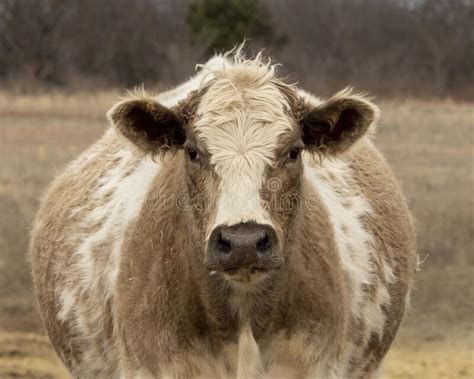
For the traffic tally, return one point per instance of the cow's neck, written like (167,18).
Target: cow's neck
(230,309)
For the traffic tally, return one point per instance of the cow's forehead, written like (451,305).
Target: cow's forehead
(241,118)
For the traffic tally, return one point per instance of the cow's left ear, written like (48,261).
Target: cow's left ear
(333,126)
(152,127)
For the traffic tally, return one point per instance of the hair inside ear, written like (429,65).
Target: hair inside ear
(332,127)
(160,124)
(314,131)
(349,120)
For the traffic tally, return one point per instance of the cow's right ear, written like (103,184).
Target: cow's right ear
(151,126)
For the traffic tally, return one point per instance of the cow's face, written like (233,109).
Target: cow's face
(242,137)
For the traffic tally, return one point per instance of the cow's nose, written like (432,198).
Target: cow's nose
(244,239)
(243,246)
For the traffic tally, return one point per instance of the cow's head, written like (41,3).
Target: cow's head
(241,137)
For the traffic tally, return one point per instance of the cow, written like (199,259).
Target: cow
(234,227)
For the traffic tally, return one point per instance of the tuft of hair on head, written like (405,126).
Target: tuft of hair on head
(245,74)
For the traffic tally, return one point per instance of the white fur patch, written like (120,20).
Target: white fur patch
(241,118)
(126,195)
(119,198)
(249,365)
(332,180)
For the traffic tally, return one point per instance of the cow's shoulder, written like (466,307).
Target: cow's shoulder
(395,258)
(374,233)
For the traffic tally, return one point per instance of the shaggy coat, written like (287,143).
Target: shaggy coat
(120,244)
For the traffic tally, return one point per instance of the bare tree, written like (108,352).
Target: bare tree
(417,47)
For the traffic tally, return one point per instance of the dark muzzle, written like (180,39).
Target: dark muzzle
(245,246)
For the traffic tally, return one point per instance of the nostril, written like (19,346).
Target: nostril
(223,244)
(264,244)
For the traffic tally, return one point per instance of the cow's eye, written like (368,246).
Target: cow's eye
(192,154)
(293,155)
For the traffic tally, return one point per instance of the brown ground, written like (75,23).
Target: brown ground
(428,143)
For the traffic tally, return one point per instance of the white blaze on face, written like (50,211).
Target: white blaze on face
(241,118)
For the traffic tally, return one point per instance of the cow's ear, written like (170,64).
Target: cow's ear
(333,126)
(149,125)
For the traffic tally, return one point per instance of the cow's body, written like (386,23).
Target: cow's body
(123,293)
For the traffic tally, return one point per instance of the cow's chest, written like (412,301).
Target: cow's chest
(283,357)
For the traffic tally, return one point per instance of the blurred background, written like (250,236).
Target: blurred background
(388,47)
(63,63)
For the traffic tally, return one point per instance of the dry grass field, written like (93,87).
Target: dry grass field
(428,143)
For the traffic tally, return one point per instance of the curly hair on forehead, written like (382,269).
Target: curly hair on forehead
(243,110)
